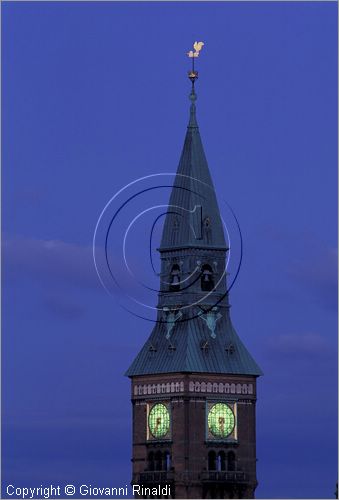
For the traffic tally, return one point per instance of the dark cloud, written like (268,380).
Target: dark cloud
(45,259)
(64,307)
(59,262)
(308,344)
(309,263)
(30,196)
(79,447)
(316,272)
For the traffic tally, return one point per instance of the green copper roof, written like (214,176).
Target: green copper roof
(193,339)
(193,188)
(223,354)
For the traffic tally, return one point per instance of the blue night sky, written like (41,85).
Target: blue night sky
(94,95)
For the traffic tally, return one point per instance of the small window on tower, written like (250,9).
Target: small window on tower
(167,460)
(221,461)
(207,282)
(151,461)
(212,461)
(175,278)
(207,230)
(207,222)
(231,461)
(158,460)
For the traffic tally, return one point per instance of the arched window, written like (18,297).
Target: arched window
(231,461)
(167,461)
(212,460)
(175,278)
(158,460)
(207,282)
(221,461)
(151,461)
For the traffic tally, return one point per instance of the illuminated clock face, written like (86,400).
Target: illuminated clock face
(159,421)
(221,420)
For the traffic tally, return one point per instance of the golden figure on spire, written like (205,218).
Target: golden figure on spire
(197,46)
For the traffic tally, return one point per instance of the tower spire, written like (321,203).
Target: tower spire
(193,258)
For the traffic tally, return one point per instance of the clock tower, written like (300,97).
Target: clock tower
(194,382)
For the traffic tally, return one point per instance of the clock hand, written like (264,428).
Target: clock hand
(221,424)
(158,422)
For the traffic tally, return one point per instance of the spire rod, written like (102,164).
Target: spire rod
(193,76)
(192,54)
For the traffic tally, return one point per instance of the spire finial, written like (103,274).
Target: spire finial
(193,76)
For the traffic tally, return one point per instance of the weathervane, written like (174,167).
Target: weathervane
(192,74)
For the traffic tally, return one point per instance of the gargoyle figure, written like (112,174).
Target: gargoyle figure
(170,316)
(210,318)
